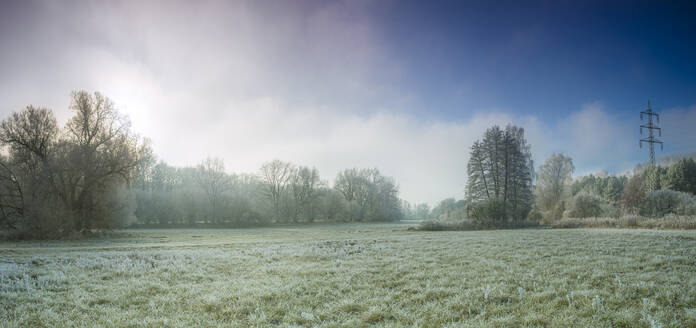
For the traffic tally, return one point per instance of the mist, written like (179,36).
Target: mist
(314,84)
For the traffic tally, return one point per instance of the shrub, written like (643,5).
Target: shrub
(534,215)
(466,225)
(486,211)
(436,225)
(669,221)
(609,210)
(659,203)
(585,206)
(634,194)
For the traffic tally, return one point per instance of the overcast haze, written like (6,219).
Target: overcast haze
(335,85)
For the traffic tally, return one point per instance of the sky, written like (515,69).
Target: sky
(404,86)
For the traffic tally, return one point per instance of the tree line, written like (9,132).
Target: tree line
(96,173)
(504,187)
(281,193)
(648,191)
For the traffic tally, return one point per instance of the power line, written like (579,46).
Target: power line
(651,126)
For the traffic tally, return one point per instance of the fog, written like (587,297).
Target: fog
(310,84)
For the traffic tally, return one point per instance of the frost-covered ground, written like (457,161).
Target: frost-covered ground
(354,275)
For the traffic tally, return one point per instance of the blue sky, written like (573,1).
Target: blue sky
(405,86)
(544,57)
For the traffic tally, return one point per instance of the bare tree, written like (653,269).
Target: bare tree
(348,183)
(633,194)
(553,181)
(98,153)
(211,177)
(28,136)
(304,188)
(276,175)
(79,168)
(370,195)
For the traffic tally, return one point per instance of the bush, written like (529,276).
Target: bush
(670,221)
(634,194)
(484,212)
(659,203)
(553,215)
(436,225)
(608,210)
(467,225)
(585,206)
(534,215)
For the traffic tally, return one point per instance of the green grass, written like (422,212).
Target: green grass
(354,275)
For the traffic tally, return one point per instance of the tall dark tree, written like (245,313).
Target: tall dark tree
(500,173)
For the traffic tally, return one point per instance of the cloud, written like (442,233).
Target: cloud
(591,134)
(252,81)
(678,130)
(428,159)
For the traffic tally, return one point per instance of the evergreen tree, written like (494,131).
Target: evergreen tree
(653,176)
(612,189)
(681,176)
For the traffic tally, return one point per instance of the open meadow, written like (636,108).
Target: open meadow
(353,275)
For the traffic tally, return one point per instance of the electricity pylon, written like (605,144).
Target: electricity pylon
(651,126)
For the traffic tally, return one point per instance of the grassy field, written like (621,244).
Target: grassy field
(353,275)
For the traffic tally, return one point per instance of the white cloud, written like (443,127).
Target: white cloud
(591,134)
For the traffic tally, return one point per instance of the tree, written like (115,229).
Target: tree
(634,194)
(304,188)
(653,177)
(421,211)
(477,185)
(351,183)
(585,206)
(333,205)
(370,195)
(450,210)
(99,153)
(681,176)
(29,137)
(348,183)
(613,189)
(382,197)
(63,181)
(500,173)
(553,180)
(212,179)
(276,176)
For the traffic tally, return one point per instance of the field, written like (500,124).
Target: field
(353,275)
